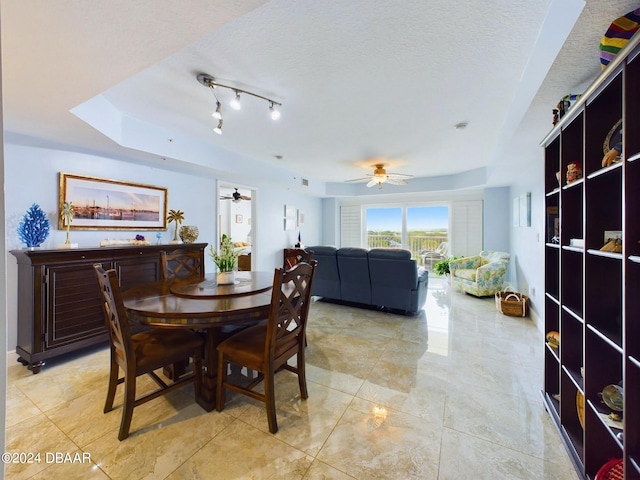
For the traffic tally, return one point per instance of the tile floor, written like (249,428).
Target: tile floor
(450,394)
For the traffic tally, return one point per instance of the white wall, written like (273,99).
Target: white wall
(527,243)
(31,176)
(496,215)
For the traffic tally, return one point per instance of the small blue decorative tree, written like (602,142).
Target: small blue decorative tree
(34,227)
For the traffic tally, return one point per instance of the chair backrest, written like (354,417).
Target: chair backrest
(290,299)
(293,256)
(181,263)
(490,256)
(442,248)
(115,317)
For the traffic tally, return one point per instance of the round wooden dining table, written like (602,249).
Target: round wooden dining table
(202,304)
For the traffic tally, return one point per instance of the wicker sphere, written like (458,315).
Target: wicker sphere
(189,233)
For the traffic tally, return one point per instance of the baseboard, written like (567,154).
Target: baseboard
(12,357)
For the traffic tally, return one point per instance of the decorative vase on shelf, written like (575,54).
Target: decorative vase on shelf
(189,233)
(226,278)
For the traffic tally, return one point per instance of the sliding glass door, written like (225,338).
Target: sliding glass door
(418,229)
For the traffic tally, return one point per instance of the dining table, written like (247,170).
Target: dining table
(202,304)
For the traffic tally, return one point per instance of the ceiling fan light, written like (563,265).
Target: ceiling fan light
(235,103)
(275,113)
(218,129)
(218,113)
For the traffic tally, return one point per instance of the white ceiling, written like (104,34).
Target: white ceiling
(361,82)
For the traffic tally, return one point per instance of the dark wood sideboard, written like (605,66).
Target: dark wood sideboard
(59,304)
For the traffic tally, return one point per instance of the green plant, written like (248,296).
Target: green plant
(227,256)
(442,267)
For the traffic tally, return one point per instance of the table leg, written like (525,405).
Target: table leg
(207,398)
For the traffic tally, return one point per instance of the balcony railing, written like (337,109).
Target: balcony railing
(417,243)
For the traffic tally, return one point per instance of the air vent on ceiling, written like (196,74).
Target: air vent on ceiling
(305,182)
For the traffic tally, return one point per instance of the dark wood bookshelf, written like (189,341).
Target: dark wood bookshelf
(592,297)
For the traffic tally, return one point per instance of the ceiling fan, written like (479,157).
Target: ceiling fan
(380,176)
(235,197)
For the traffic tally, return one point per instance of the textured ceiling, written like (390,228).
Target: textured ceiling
(360,82)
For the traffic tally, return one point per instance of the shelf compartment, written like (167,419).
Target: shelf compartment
(571,214)
(571,282)
(551,272)
(603,205)
(602,113)
(601,444)
(603,365)
(603,296)
(632,415)
(569,419)
(571,346)
(632,107)
(604,170)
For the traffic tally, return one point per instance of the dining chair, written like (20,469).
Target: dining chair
(142,353)
(266,348)
(293,256)
(181,263)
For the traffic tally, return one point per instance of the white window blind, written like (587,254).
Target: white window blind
(351,226)
(466,228)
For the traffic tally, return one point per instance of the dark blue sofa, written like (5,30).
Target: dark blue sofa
(382,277)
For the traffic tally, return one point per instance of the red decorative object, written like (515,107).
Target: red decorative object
(612,470)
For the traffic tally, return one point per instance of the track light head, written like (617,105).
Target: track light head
(218,113)
(218,129)
(275,113)
(235,103)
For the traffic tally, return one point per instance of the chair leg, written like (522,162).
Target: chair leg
(127,411)
(270,400)
(113,385)
(302,376)
(222,377)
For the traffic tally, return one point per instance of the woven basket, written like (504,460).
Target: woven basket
(513,304)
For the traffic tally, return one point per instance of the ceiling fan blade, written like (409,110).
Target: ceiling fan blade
(373,182)
(358,179)
(396,181)
(399,175)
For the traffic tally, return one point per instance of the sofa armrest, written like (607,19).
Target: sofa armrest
(464,263)
(423,275)
(491,273)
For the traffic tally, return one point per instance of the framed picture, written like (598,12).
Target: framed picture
(525,209)
(103,204)
(289,217)
(238,218)
(300,217)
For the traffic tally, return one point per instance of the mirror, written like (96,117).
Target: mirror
(235,215)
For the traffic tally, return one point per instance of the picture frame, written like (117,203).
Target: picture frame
(300,217)
(106,204)
(238,218)
(290,217)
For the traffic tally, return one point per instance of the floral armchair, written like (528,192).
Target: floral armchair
(481,275)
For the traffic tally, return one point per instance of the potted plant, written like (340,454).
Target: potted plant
(226,259)
(442,267)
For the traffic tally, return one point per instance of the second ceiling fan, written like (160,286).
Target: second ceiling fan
(235,196)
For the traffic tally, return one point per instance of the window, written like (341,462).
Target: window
(417,229)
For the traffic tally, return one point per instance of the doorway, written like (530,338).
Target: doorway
(235,219)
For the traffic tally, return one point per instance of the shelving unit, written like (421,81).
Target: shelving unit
(592,297)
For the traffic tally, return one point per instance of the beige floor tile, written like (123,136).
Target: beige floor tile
(322,471)
(35,435)
(18,406)
(156,451)
(241,451)
(464,456)
(372,442)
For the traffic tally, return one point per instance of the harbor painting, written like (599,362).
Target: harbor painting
(102,204)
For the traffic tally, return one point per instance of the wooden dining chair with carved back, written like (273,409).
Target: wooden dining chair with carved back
(266,348)
(181,263)
(142,353)
(293,256)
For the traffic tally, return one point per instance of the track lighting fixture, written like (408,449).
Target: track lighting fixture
(275,113)
(210,82)
(218,113)
(235,103)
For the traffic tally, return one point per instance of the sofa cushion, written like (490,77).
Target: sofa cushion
(467,273)
(326,281)
(353,268)
(390,253)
